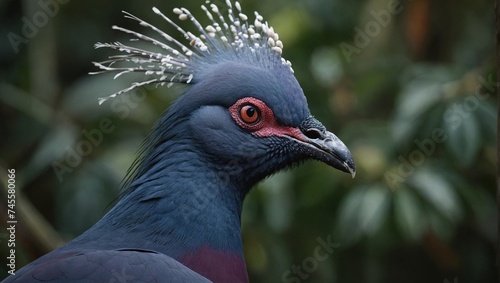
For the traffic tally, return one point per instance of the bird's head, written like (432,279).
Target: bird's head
(243,110)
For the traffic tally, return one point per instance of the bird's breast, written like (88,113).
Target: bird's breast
(218,266)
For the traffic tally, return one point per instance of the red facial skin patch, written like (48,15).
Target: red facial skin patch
(266,125)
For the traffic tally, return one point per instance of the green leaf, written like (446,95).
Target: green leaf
(418,98)
(422,91)
(278,201)
(486,116)
(363,212)
(326,66)
(438,192)
(373,210)
(481,205)
(82,199)
(348,220)
(415,102)
(441,227)
(463,132)
(52,148)
(408,213)
(27,104)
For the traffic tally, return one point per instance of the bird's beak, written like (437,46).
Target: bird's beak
(324,146)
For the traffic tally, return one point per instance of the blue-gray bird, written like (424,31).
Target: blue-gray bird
(242,117)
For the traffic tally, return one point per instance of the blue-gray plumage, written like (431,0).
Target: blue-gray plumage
(243,117)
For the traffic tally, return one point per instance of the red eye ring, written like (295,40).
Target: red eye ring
(249,114)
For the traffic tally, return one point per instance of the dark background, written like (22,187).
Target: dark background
(411,90)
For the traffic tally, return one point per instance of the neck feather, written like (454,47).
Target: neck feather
(181,207)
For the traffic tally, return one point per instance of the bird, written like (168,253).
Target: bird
(241,117)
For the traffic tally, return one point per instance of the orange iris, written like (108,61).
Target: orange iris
(249,114)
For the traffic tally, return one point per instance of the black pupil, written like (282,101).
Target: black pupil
(250,111)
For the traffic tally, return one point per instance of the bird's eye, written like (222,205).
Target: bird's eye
(249,114)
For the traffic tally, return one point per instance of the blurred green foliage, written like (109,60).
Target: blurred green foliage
(409,88)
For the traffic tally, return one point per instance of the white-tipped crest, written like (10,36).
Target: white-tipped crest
(173,63)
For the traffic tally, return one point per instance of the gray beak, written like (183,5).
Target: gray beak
(324,146)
